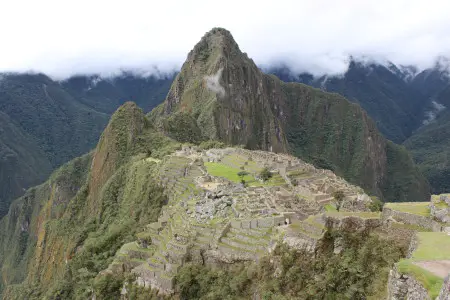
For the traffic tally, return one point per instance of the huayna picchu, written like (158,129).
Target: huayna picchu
(220,94)
(238,186)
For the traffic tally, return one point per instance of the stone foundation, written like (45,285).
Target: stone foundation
(412,219)
(404,287)
(445,291)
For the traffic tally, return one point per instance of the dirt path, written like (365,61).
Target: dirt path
(439,268)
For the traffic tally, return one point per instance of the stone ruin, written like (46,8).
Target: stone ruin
(442,213)
(212,219)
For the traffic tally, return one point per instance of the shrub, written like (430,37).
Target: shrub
(339,197)
(265,174)
(376,205)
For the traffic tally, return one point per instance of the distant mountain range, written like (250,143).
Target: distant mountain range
(45,123)
(409,107)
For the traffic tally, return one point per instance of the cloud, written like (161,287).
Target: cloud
(430,115)
(63,38)
(213,83)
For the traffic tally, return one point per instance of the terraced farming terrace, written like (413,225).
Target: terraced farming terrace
(425,272)
(232,205)
(229,205)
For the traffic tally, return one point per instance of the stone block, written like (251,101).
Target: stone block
(245,224)
(254,224)
(236,224)
(265,223)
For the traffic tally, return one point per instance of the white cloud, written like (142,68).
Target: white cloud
(213,83)
(68,37)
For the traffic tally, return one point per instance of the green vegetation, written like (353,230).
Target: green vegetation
(205,145)
(265,174)
(85,215)
(430,282)
(376,205)
(339,198)
(230,173)
(321,128)
(47,123)
(183,128)
(330,208)
(359,272)
(417,208)
(364,215)
(237,175)
(398,107)
(431,246)
(430,146)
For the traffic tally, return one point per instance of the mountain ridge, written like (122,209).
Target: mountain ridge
(58,121)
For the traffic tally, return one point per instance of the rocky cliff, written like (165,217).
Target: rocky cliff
(221,94)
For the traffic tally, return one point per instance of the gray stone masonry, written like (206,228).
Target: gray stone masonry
(404,287)
(445,291)
(412,219)
(352,223)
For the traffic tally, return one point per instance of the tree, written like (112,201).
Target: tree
(376,204)
(241,175)
(265,174)
(339,197)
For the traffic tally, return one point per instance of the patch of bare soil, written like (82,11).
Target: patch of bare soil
(439,268)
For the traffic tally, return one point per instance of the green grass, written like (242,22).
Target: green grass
(417,208)
(409,226)
(432,246)
(364,215)
(430,282)
(230,173)
(330,208)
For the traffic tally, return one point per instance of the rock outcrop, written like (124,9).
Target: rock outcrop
(401,286)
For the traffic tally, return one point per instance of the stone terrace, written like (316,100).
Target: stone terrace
(217,218)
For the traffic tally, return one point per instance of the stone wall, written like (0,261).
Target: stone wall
(412,219)
(401,286)
(300,241)
(261,223)
(445,291)
(440,214)
(351,223)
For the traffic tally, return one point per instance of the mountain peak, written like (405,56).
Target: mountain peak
(216,49)
(217,39)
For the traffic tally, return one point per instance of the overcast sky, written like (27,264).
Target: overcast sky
(64,37)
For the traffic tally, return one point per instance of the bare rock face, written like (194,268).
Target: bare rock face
(445,291)
(403,287)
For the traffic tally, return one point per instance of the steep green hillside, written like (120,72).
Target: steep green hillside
(402,103)
(47,123)
(22,227)
(59,235)
(222,95)
(105,95)
(19,167)
(430,146)
(383,93)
